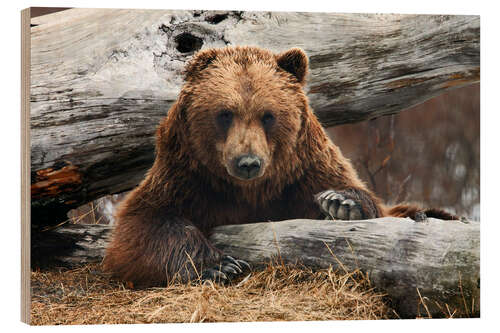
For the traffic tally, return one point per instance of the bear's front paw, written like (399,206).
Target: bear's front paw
(227,270)
(339,206)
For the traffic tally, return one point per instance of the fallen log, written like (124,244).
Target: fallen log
(424,267)
(101,80)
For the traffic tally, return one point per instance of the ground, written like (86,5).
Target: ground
(277,293)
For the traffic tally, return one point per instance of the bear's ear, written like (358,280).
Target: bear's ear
(199,62)
(295,62)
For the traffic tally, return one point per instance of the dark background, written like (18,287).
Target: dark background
(428,154)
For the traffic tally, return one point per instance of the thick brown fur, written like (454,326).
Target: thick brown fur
(163,225)
(415,212)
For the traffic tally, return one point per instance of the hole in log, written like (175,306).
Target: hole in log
(187,42)
(217,18)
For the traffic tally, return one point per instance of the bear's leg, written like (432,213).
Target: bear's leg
(349,204)
(420,214)
(163,249)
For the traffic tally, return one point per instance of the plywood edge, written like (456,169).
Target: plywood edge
(25,165)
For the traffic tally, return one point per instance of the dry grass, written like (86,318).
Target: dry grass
(277,293)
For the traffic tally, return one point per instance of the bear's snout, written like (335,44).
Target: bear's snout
(247,166)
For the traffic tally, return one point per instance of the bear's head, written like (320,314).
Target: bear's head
(242,111)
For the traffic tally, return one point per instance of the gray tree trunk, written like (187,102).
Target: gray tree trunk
(437,259)
(101,80)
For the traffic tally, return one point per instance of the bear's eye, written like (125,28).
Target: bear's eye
(224,119)
(267,120)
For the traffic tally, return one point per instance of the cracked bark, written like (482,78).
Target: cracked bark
(99,91)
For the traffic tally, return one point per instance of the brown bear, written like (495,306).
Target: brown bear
(240,145)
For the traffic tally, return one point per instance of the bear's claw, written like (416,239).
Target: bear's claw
(228,269)
(337,206)
(214,275)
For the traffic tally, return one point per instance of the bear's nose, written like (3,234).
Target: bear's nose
(248,166)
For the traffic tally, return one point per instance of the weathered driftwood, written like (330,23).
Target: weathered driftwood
(438,258)
(101,80)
